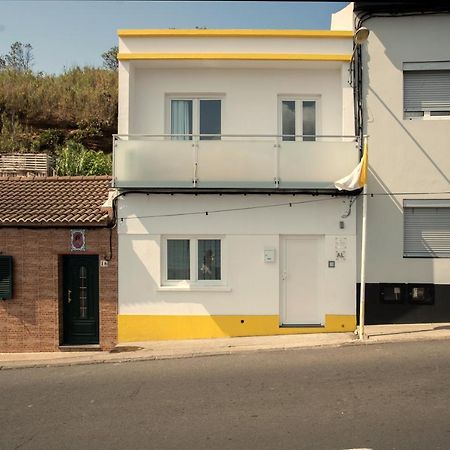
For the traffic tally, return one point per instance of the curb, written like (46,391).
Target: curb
(136,358)
(40,365)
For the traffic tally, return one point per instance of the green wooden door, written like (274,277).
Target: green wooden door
(81,299)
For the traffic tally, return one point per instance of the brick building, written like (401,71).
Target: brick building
(58,264)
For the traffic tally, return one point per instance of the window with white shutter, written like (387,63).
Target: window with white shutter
(426,89)
(426,232)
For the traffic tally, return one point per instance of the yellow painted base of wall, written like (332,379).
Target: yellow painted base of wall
(135,328)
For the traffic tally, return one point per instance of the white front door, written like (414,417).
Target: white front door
(300,281)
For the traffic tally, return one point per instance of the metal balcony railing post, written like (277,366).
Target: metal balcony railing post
(195,146)
(114,170)
(277,147)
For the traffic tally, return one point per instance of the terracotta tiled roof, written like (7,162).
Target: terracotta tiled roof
(53,200)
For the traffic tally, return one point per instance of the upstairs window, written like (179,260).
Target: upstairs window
(196,116)
(426,89)
(298,118)
(181,119)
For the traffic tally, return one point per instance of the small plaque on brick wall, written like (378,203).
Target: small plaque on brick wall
(78,240)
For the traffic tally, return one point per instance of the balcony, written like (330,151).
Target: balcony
(26,164)
(232,162)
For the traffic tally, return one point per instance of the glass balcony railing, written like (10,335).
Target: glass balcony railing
(232,161)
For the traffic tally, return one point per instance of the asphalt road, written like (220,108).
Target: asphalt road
(389,396)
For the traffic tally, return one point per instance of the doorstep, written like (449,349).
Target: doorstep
(80,348)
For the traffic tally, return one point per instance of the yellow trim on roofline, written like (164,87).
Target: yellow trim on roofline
(331,34)
(235,56)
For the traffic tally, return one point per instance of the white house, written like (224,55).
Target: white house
(405,92)
(229,145)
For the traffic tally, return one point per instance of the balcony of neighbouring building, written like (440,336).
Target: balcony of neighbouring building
(232,162)
(26,164)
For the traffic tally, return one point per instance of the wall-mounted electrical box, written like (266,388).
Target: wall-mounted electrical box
(269,255)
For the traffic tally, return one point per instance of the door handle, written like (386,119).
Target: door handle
(69,296)
(283,275)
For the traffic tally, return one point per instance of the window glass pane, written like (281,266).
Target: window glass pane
(178,259)
(440,113)
(209,259)
(413,113)
(288,120)
(83,293)
(210,118)
(309,120)
(181,119)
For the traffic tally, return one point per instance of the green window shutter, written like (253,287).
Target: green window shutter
(5,277)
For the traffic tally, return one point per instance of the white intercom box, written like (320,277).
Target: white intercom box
(269,255)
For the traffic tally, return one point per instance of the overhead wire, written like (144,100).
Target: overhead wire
(275,205)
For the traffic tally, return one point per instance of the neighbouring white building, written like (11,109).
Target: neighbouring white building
(228,148)
(405,92)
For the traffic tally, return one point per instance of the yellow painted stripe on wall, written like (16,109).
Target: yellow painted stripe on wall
(236,56)
(135,328)
(330,34)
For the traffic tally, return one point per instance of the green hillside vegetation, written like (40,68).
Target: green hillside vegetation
(71,115)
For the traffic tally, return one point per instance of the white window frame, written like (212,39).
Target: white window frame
(299,99)
(193,263)
(195,98)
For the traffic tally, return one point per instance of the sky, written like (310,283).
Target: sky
(68,33)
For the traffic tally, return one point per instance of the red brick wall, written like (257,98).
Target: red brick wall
(32,320)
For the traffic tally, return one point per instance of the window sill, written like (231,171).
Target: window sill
(210,288)
(427,118)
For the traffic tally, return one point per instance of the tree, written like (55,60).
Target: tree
(110,61)
(19,58)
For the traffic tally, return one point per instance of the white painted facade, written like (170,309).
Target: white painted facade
(343,19)
(290,259)
(251,286)
(232,44)
(408,157)
(259,89)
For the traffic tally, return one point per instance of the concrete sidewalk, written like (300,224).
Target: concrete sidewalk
(152,350)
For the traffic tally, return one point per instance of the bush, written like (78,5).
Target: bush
(78,95)
(75,159)
(40,112)
(48,141)
(14,137)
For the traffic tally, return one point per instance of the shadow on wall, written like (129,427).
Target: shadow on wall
(399,148)
(385,262)
(143,271)
(412,140)
(384,254)
(400,42)
(168,315)
(147,312)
